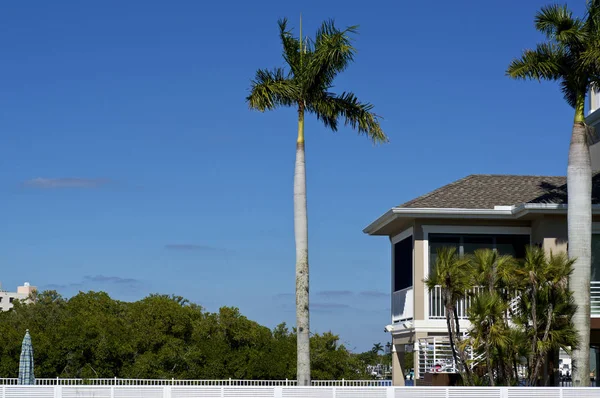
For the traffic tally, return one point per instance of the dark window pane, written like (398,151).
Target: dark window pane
(513,245)
(436,242)
(474,242)
(403,267)
(595,258)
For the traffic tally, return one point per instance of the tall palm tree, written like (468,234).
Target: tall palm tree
(313,66)
(571,56)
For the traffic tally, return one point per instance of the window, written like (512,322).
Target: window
(513,245)
(595,277)
(10,299)
(403,267)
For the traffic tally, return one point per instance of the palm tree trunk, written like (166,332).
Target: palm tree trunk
(488,359)
(301,236)
(579,183)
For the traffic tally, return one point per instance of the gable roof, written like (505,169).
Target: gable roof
(485,191)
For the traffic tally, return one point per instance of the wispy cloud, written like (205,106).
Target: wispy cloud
(57,286)
(194,247)
(110,279)
(373,294)
(335,293)
(328,306)
(66,182)
(284,296)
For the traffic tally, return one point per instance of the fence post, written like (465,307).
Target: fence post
(167,392)
(503,392)
(112,391)
(278,392)
(230,381)
(343,382)
(57,391)
(389,392)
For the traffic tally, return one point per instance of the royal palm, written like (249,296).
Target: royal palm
(305,86)
(571,57)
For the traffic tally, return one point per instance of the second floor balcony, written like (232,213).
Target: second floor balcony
(403,305)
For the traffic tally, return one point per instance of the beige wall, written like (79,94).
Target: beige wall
(550,232)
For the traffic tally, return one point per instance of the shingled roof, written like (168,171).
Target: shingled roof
(485,191)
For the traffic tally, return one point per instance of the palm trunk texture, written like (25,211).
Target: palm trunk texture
(301,236)
(579,183)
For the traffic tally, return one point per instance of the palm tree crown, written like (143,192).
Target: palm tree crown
(313,66)
(571,54)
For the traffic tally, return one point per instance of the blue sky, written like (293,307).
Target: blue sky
(130,162)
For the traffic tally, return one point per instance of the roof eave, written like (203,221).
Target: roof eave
(512,212)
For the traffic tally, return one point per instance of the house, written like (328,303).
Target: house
(22,293)
(502,212)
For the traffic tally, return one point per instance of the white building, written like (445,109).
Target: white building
(22,293)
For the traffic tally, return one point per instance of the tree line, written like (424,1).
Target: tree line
(91,335)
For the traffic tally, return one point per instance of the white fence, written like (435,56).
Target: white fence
(175,382)
(291,392)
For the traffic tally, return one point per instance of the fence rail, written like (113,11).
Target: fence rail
(175,382)
(59,391)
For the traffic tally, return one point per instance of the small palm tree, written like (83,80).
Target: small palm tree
(547,309)
(313,66)
(489,311)
(571,56)
(377,348)
(453,275)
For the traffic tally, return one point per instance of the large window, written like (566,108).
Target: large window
(465,244)
(403,267)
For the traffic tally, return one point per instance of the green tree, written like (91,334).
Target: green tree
(571,56)
(313,66)
(523,311)
(546,308)
(377,348)
(453,275)
(490,309)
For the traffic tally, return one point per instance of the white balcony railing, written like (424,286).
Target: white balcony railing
(437,310)
(403,305)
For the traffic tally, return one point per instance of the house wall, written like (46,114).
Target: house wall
(550,232)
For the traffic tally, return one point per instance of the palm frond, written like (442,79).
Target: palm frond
(271,89)
(569,89)
(291,47)
(330,107)
(330,53)
(558,24)
(543,63)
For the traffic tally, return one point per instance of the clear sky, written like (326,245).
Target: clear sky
(130,163)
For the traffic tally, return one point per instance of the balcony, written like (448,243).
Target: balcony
(438,311)
(403,305)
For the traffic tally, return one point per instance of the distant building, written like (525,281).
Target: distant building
(7,298)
